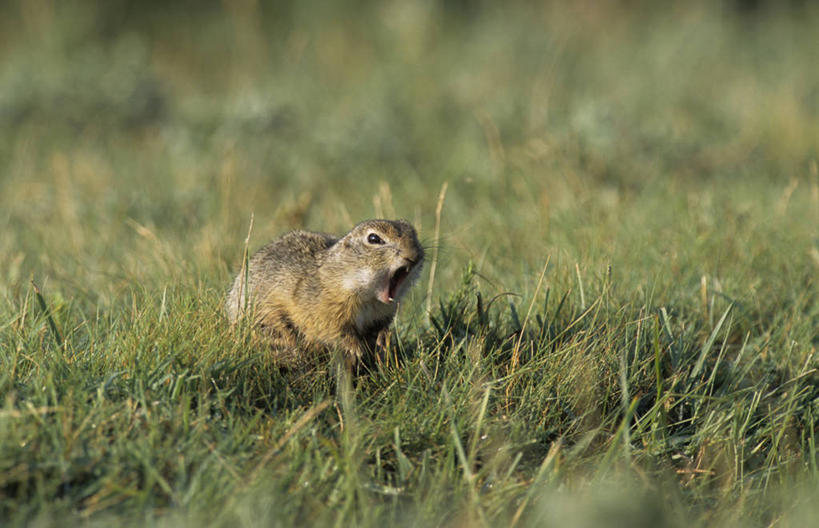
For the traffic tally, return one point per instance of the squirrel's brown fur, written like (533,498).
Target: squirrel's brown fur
(314,290)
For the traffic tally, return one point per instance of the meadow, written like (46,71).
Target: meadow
(617,323)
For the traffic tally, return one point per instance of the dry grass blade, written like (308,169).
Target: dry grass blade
(306,418)
(436,237)
(547,463)
(516,351)
(16,413)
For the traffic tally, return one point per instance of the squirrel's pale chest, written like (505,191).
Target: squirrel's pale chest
(358,280)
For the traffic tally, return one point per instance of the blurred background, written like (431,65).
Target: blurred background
(660,156)
(139,137)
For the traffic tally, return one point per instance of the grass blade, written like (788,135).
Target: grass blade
(58,338)
(708,344)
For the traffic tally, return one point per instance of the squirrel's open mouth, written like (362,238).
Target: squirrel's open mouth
(397,278)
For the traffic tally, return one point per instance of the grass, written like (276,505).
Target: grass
(623,322)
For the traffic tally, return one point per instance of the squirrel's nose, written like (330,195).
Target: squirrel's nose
(409,255)
(410,259)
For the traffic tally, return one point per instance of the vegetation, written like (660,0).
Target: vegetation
(623,320)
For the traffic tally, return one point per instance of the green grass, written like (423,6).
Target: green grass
(625,312)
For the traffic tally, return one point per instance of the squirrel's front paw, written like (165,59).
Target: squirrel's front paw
(383,339)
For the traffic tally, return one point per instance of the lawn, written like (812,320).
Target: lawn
(620,204)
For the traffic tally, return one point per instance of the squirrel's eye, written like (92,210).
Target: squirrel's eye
(372,238)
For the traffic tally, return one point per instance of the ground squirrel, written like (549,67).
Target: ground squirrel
(315,290)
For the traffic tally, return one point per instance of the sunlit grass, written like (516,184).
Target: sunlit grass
(622,325)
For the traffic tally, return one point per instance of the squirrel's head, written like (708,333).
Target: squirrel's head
(380,259)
